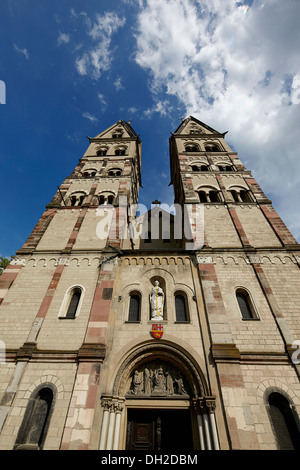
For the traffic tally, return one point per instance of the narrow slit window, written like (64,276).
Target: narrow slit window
(245,306)
(73,305)
(180,308)
(134,308)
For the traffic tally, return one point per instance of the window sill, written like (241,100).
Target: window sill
(250,319)
(67,318)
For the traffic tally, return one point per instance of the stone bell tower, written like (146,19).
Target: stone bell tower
(248,270)
(56,296)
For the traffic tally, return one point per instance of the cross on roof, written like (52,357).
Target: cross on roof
(156,202)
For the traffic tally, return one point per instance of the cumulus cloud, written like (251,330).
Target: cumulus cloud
(97,59)
(235,66)
(161,107)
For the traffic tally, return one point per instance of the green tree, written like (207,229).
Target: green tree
(4,262)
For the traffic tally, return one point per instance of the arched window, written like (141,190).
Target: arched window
(202,196)
(71,303)
(240,194)
(101,152)
(207,194)
(212,148)
(181,308)
(134,314)
(225,167)
(106,198)
(283,422)
(115,172)
(246,306)
(191,148)
(117,135)
(199,167)
(213,196)
(36,420)
(245,196)
(74,303)
(89,173)
(235,195)
(120,152)
(77,199)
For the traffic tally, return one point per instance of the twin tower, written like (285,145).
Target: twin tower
(161,331)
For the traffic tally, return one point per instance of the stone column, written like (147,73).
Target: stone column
(119,406)
(110,430)
(211,406)
(208,435)
(105,403)
(207,431)
(200,424)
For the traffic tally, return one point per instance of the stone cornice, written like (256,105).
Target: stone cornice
(29,352)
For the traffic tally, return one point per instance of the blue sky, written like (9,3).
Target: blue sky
(72,68)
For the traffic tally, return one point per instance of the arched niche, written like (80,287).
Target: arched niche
(162,284)
(151,360)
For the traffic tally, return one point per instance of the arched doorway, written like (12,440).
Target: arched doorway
(160,401)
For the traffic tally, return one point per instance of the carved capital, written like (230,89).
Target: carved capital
(113,405)
(210,404)
(106,403)
(118,406)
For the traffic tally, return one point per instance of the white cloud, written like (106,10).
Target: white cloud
(22,51)
(97,59)
(132,110)
(103,101)
(82,64)
(237,69)
(161,107)
(118,84)
(90,117)
(63,39)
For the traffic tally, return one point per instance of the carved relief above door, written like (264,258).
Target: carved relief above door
(158,379)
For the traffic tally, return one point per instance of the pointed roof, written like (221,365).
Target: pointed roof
(129,132)
(180,129)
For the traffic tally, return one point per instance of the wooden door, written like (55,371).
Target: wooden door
(140,435)
(159,430)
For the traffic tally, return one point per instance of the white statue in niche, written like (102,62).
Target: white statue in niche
(157,300)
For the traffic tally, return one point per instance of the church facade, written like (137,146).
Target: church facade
(156,331)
